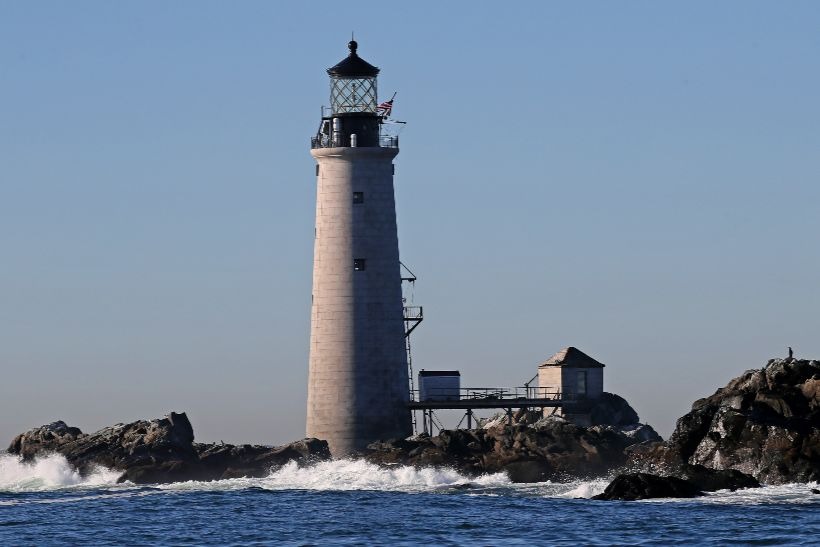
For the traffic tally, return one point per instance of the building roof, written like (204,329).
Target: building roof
(571,357)
(353,66)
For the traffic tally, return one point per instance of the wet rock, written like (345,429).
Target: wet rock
(165,472)
(764,423)
(549,449)
(52,435)
(711,480)
(639,486)
(534,448)
(160,451)
(640,433)
(528,470)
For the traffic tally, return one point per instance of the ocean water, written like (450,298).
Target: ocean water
(351,502)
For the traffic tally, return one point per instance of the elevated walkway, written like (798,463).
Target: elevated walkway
(477,398)
(470,399)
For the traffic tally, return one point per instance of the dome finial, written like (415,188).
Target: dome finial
(353,66)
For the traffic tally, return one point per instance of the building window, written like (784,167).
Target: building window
(393,166)
(317,169)
(358,264)
(582,382)
(358,197)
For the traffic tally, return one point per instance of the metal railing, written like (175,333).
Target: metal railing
(493,394)
(388,142)
(324,141)
(413,313)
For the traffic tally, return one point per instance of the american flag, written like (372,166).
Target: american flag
(386,107)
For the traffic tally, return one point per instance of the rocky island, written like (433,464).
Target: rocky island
(160,451)
(763,426)
(533,449)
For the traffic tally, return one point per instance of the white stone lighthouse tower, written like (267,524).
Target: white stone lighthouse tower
(358,385)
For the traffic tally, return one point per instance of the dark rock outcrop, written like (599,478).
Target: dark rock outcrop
(160,451)
(548,449)
(693,481)
(607,409)
(612,409)
(711,480)
(528,446)
(765,423)
(639,486)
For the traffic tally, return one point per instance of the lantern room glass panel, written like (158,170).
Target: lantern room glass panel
(352,95)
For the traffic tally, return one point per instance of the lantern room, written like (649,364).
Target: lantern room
(353,85)
(354,119)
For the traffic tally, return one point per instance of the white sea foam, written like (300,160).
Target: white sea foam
(53,472)
(350,474)
(362,475)
(50,472)
(585,489)
(779,493)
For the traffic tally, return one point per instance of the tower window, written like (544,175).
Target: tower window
(317,169)
(393,166)
(358,264)
(358,197)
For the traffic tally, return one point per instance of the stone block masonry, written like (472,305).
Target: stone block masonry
(357,380)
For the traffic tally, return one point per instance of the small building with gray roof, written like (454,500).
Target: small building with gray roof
(577,377)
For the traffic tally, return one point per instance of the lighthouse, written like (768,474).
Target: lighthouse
(358,385)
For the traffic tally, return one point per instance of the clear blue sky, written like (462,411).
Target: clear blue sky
(637,179)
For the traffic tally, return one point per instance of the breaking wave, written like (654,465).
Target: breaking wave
(776,493)
(51,472)
(350,474)
(360,475)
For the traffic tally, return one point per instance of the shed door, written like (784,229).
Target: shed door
(582,382)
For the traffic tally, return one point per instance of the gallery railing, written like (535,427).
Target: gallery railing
(493,394)
(325,141)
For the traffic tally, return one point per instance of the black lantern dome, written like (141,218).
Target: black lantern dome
(353,85)
(353,66)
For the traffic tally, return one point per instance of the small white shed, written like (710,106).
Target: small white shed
(439,385)
(577,377)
